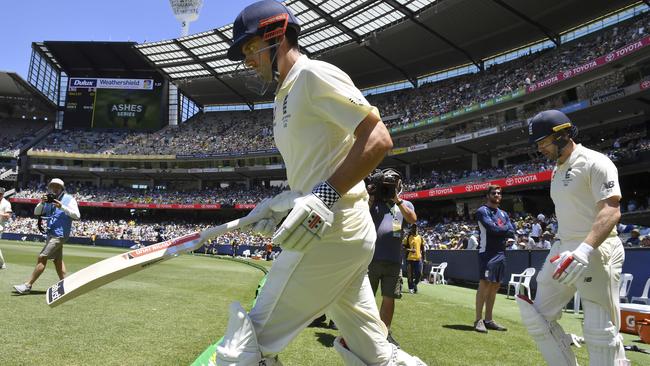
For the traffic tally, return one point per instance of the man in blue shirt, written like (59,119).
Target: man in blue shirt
(495,228)
(59,209)
(388,214)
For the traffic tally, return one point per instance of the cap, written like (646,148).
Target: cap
(547,123)
(635,231)
(255,19)
(547,233)
(56,181)
(541,217)
(461,233)
(510,240)
(2,190)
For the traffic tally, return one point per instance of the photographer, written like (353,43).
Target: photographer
(59,209)
(388,212)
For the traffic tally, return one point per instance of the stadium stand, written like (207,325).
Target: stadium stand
(243,131)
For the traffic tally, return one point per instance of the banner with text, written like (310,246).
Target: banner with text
(159,206)
(591,65)
(540,177)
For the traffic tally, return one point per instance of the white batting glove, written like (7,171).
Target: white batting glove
(570,266)
(309,219)
(271,211)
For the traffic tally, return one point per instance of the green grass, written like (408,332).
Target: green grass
(167,315)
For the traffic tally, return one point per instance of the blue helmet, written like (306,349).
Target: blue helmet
(267,18)
(547,123)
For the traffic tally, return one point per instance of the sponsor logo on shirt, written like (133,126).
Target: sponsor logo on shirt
(609,185)
(568,177)
(285,115)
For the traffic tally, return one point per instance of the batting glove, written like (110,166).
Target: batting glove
(309,219)
(271,211)
(570,266)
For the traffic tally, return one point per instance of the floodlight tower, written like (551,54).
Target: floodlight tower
(186,11)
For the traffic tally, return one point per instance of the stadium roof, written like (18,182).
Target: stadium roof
(380,41)
(96,59)
(15,90)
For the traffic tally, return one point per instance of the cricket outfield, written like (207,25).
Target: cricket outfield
(169,313)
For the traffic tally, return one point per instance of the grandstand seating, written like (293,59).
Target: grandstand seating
(236,132)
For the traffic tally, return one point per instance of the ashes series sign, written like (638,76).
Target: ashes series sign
(110,103)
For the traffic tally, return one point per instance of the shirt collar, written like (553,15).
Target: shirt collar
(295,69)
(574,155)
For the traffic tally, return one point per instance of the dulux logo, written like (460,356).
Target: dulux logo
(84,83)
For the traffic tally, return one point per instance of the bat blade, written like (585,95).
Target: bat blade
(116,267)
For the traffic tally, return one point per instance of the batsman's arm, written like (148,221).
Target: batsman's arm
(608,215)
(371,145)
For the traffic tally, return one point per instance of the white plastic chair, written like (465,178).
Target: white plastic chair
(437,274)
(626,283)
(520,279)
(643,299)
(246,253)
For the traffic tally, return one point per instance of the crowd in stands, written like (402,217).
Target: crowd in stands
(16,133)
(225,196)
(136,231)
(500,79)
(207,133)
(243,131)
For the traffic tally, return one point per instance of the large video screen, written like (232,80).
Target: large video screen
(133,104)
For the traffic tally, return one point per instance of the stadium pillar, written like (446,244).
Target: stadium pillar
(98,182)
(407,171)
(200,184)
(474,161)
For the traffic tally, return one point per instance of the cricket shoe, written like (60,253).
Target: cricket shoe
(479,326)
(492,325)
(22,289)
(4,266)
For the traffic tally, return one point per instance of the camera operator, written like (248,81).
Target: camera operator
(388,212)
(59,209)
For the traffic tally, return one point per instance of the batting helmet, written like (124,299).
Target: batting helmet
(547,123)
(268,19)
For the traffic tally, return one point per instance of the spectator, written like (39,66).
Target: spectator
(633,240)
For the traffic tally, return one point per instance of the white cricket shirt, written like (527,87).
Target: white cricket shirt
(317,108)
(5,207)
(585,179)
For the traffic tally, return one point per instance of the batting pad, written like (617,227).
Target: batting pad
(398,357)
(604,343)
(552,341)
(239,345)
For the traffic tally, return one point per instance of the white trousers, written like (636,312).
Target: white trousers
(599,285)
(330,277)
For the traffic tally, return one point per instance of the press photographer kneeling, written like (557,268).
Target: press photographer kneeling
(388,213)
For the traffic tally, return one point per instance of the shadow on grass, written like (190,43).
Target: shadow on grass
(463,327)
(325,339)
(32,292)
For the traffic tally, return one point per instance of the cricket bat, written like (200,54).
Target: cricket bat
(113,268)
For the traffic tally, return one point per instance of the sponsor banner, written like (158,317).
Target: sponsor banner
(244,206)
(486,132)
(461,138)
(540,177)
(105,83)
(575,106)
(226,155)
(417,147)
(512,125)
(606,97)
(399,150)
(591,65)
(159,206)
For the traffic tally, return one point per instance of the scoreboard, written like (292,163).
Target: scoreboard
(104,103)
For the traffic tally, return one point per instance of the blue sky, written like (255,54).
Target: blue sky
(25,21)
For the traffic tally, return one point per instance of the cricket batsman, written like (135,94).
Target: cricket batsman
(330,138)
(589,256)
